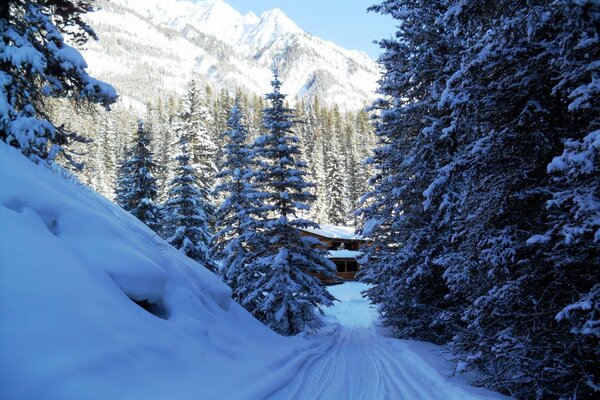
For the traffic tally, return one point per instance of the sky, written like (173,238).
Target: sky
(344,22)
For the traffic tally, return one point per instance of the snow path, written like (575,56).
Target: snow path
(357,362)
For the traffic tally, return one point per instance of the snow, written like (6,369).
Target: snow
(361,363)
(70,261)
(344,254)
(335,232)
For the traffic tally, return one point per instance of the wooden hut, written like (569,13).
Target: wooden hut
(343,247)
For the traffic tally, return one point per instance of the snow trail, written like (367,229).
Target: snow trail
(358,362)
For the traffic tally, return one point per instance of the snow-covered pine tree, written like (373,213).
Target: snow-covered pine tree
(511,262)
(338,205)
(286,293)
(488,232)
(123,179)
(195,118)
(167,121)
(402,264)
(220,115)
(316,162)
(237,238)
(136,188)
(35,64)
(105,151)
(185,221)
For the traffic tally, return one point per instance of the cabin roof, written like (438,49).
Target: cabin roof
(353,254)
(335,232)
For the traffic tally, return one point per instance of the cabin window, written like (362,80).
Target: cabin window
(346,266)
(351,266)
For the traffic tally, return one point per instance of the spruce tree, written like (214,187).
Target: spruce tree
(185,220)
(485,222)
(237,238)
(195,119)
(404,262)
(337,174)
(136,191)
(285,291)
(36,64)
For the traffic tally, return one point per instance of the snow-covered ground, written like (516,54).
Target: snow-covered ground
(361,363)
(71,264)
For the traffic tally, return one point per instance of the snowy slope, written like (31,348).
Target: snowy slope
(150,46)
(69,263)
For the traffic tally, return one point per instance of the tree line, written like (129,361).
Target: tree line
(333,143)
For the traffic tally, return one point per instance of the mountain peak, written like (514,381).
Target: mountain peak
(280,22)
(251,19)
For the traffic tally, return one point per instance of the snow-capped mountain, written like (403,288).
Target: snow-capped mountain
(150,47)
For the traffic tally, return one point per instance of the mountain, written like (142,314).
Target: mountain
(150,47)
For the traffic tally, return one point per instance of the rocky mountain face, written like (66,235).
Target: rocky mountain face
(150,48)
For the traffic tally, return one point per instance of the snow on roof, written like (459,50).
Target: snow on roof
(335,232)
(344,254)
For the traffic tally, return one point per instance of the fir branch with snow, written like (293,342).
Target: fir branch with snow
(35,64)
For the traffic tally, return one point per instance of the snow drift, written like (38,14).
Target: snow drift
(72,267)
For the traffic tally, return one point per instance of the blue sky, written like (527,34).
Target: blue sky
(344,22)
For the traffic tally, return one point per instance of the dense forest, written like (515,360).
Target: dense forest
(333,143)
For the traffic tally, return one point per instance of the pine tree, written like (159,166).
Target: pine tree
(237,237)
(338,195)
(317,163)
(194,118)
(123,179)
(403,263)
(185,219)
(36,64)
(285,291)
(136,191)
(485,222)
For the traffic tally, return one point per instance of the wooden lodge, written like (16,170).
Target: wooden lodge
(343,246)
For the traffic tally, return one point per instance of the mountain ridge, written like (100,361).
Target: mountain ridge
(166,41)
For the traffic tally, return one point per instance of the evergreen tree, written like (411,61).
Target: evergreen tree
(185,219)
(35,64)
(403,263)
(136,191)
(123,179)
(337,173)
(485,222)
(316,164)
(194,118)
(285,291)
(237,238)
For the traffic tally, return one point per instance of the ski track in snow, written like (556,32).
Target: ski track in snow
(357,362)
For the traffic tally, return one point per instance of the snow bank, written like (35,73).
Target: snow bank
(335,232)
(71,264)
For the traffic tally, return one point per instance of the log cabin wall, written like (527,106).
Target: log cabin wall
(346,268)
